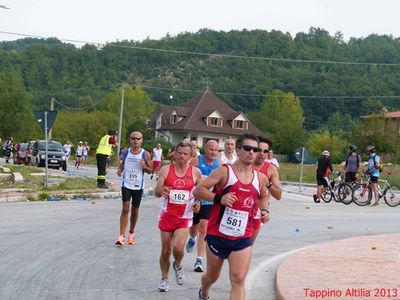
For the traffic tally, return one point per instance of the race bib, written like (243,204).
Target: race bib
(132,177)
(234,222)
(178,196)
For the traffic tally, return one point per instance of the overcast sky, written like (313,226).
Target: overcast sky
(108,21)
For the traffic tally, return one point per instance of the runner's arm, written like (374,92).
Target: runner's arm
(263,203)
(148,167)
(160,190)
(275,189)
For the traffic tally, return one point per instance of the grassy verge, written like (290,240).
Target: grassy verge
(36,183)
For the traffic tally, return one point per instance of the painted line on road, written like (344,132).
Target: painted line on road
(261,267)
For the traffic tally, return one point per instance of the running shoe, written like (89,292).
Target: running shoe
(131,239)
(120,241)
(198,265)
(164,285)
(202,297)
(190,244)
(178,274)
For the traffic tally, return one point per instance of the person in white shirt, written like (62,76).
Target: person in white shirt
(157,157)
(135,162)
(228,156)
(67,149)
(271,159)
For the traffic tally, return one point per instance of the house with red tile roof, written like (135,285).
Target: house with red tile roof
(201,118)
(390,117)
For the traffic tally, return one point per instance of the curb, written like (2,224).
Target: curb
(99,195)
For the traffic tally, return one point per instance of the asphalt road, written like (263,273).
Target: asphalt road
(65,250)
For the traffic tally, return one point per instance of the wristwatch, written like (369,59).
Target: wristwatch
(269,185)
(266,210)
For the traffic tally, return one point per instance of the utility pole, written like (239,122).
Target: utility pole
(52,100)
(120,117)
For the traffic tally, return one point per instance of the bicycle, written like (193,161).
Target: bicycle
(362,194)
(337,189)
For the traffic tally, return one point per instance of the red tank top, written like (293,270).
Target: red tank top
(180,200)
(264,169)
(237,221)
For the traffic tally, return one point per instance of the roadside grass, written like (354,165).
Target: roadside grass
(36,183)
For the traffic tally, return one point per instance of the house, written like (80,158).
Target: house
(202,118)
(391,120)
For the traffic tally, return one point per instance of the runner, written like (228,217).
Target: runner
(239,192)
(175,185)
(228,156)
(85,154)
(157,158)
(135,161)
(79,154)
(207,163)
(272,174)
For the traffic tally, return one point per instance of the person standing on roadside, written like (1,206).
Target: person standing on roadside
(239,192)
(104,150)
(228,156)
(207,163)
(352,165)
(157,158)
(324,168)
(373,171)
(134,163)
(175,184)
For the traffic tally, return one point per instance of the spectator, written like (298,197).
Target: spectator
(324,169)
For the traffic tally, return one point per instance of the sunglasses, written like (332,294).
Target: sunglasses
(135,138)
(265,151)
(249,148)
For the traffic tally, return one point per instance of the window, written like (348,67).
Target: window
(173,119)
(216,122)
(240,124)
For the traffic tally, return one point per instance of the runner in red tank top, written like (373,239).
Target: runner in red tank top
(175,184)
(239,192)
(269,170)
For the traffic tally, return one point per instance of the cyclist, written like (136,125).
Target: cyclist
(373,171)
(352,164)
(323,171)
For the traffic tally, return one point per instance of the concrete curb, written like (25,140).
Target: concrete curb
(70,196)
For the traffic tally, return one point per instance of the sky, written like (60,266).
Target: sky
(103,21)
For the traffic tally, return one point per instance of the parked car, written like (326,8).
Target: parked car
(21,154)
(55,155)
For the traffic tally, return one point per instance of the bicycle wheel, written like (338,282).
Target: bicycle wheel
(345,193)
(362,195)
(392,196)
(327,195)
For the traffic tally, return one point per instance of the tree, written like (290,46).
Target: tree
(319,142)
(281,117)
(15,111)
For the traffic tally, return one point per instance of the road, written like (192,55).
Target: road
(65,250)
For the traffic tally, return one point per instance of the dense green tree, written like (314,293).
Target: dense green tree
(319,142)
(281,117)
(16,117)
